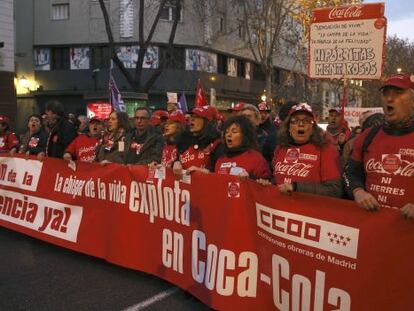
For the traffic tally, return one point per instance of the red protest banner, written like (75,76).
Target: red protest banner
(233,244)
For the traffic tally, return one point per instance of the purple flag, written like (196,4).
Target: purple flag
(182,104)
(115,98)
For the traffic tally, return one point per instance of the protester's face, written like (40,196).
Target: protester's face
(196,124)
(34,124)
(3,127)
(251,115)
(334,118)
(233,136)
(171,107)
(112,122)
(171,128)
(300,127)
(95,128)
(264,116)
(50,116)
(141,120)
(398,105)
(83,123)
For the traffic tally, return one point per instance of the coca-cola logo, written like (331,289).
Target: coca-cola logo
(405,168)
(391,163)
(33,142)
(354,11)
(233,190)
(292,155)
(296,169)
(380,23)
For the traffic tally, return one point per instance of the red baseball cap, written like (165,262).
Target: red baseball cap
(157,115)
(177,116)
(401,81)
(336,109)
(303,107)
(237,107)
(4,119)
(208,112)
(263,107)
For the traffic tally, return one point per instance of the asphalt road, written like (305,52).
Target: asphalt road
(35,275)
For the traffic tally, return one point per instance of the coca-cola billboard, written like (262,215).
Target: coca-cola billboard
(347,42)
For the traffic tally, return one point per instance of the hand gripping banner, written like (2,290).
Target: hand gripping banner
(233,244)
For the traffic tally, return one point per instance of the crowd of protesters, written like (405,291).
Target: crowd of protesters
(372,164)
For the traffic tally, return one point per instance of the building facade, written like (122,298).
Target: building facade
(7,91)
(62,52)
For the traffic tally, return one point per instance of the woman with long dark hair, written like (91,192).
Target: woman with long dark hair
(112,147)
(199,146)
(305,160)
(241,156)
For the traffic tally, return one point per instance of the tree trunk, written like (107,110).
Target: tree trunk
(269,91)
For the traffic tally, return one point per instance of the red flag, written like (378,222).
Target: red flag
(200,98)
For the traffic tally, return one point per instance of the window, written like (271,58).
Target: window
(240,68)
(169,10)
(177,60)
(100,57)
(60,59)
(222,64)
(258,73)
(60,11)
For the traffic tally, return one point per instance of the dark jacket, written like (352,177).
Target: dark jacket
(34,143)
(144,148)
(112,148)
(60,136)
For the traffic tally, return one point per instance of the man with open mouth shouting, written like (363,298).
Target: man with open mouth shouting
(381,170)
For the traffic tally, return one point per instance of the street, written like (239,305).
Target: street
(39,276)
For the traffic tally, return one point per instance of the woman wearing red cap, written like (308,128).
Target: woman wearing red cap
(83,147)
(174,126)
(8,139)
(241,156)
(305,160)
(198,147)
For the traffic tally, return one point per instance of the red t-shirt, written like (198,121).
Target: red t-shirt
(195,156)
(169,155)
(389,167)
(83,147)
(306,163)
(251,161)
(8,141)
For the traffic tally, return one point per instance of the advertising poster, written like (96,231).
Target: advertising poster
(42,59)
(79,58)
(200,61)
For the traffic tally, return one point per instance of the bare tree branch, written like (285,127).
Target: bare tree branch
(111,44)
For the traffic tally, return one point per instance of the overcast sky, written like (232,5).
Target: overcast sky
(400,15)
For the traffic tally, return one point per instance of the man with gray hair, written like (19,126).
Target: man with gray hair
(144,142)
(381,169)
(267,141)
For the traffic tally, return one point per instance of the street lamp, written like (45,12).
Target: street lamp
(399,70)
(24,82)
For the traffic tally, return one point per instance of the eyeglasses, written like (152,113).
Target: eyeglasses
(301,121)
